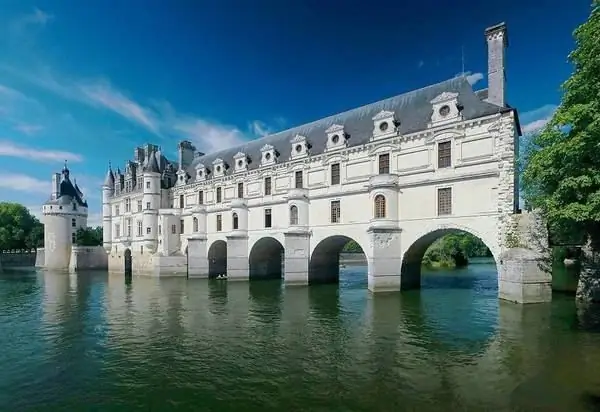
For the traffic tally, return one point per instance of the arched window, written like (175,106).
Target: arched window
(293,215)
(379,207)
(195,224)
(235,221)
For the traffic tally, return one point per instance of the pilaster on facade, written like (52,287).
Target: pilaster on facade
(297,256)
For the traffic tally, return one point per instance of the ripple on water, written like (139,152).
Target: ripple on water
(197,345)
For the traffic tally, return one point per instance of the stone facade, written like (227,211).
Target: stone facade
(393,176)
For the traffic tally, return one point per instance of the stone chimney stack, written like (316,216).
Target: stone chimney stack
(497,42)
(55,185)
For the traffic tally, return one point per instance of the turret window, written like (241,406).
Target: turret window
(129,227)
(444,155)
(201,197)
(174,229)
(234,218)
(139,205)
(148,205)
(299,182)
(139,228)
(336,211)
(148,184)
(181,202)
(195,224)
(219,223)
(335,174)
(148,230)
(218,195)
(293,215)
(267,185)
(73,223)
(268,220)
(240,190)
(182,226)
(379,207)
(384,164)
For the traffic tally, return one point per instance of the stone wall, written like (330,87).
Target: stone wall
(17,258)
(40,257)
(88,257)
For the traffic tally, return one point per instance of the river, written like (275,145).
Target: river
(92,342)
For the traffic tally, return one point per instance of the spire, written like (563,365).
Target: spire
(109,181)
(65,171)
(152,165)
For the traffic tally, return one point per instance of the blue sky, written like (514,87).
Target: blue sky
(88,81)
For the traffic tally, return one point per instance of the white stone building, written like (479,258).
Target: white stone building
(63,214)
(393,176)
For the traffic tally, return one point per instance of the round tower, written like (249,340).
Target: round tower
(64,214)
(108,189)
(151,200)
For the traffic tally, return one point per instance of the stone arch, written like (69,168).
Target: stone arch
(217,259)
(266,259)
(127,262)
(410,272)
(324,265)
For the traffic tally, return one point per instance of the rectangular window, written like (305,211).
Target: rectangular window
(268,221)
(181,202)
(73,222)
(139,205)
(444,155)
(117,231)
(173,229)
(117,210)
(148,184)
(182,226)
(267,185)
(148,230)
(128,205)
(445,201)
(219,223)
(201,197)
(128,227)
(299,182)
(139,228)
(218,195)
(335,174)
(148,205)
(240,190)
(335,211)
(159,229)
(384,164)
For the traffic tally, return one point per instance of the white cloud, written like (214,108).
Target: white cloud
(94,219)
(103,94)
(10,149)
(420,64)
(37,17)
(28,129)
(24,183)
(159,118)
(207,136)
(536,119)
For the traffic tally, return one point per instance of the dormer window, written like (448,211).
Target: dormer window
(446,109)
(219,167)
(200,172)
(268,155)
(181,177)
(384,124)
(336,137)
(300,147)
(241,162)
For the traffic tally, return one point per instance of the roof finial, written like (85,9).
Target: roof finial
(109,165)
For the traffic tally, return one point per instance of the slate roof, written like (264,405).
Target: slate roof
(68,191)
(412,109)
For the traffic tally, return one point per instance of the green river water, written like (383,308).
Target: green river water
(92,342)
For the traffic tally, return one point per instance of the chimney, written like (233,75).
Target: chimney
(497,41)
(55,185)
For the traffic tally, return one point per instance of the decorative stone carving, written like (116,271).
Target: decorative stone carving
(336,137)
(382,240)
(300,147)
(268,155)
(446,109)
(219,167)
(384,124)
(200,172)
(241,162)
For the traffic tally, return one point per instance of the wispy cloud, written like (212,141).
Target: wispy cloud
(160,119)
(28,129)
(8,148)
(103,94)
(536,119)
(22,29)
(24,183)
(420,64)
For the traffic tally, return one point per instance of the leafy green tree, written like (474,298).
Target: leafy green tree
(19,229)
(89,236)
(562,174)
(352,247)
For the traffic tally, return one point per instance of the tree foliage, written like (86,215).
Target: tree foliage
(562,174)
(89,236)
(19,229)
(455,249)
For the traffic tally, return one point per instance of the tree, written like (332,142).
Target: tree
(19,229)
(562,175)
(88,236)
